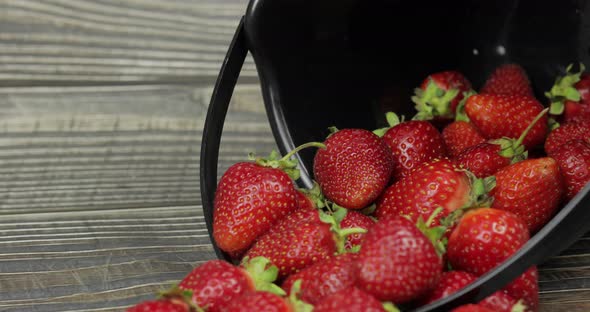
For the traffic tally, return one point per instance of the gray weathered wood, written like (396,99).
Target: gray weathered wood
(86,41)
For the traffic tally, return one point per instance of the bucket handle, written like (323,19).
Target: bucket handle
(222,93)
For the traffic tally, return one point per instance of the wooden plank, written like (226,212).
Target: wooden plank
(86,41)
(79,148)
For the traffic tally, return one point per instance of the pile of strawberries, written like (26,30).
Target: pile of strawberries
(405,215)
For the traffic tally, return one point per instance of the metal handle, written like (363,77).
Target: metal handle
(222,93)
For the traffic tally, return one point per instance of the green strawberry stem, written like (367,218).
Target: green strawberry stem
(390,307)
(315,195)
(297,304)
(480,188)
(302,146)
(433,102)
(369,210)
(340,234)
(514,149)
(478,197)
(564,89)
(263,273)
(433,233)
(552,123)
(460,114)
(392,120)
(351,231)
(285,163)
(530,126)
(519,307)
(182,296)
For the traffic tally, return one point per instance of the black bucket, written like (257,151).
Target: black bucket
(345,63)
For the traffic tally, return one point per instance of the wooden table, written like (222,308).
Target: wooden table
(101,112)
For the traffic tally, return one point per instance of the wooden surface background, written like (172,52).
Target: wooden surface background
(101,112)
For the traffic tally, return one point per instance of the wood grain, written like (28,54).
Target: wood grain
(79,148)
(89,42)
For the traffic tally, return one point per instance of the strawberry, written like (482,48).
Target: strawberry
(573,159)
(531,189)
(484,238)
(411,143)
(258,301)
(354,168)
(570,95)
(397,262)
(293,246)
(508,79)
(355,219)
(350,299)
(216,282)
(250,197)
(526,287)
(500,301)
(439,94)
(460,135)
(472,308)
(162,305)
(498,116)
(431,185)
(485,159)
(453,281)
(450,282)
(324,278)
(566,133)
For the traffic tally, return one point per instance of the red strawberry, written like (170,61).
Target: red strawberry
(484,238)
(258,301)
(531,189)
(431,185)
(460,135)
(324,278)
(355,219)
(565,133)
(450,282)
(216,282)
(294,246)
(411,143)
(354,168)
(453,281)
(526,287)
(162,305)
(498,116)
(570,95)
(500,301)
(397,262)
(472,308)
(249,199)
(508,79)
(485,159)
(573,159)
(349,300)
(439,94)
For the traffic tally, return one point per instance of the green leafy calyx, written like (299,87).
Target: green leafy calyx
(263,273)
(564,90)
(392,120)
(433,102)
(285,163)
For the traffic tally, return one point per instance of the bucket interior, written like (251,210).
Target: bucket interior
(346,63)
